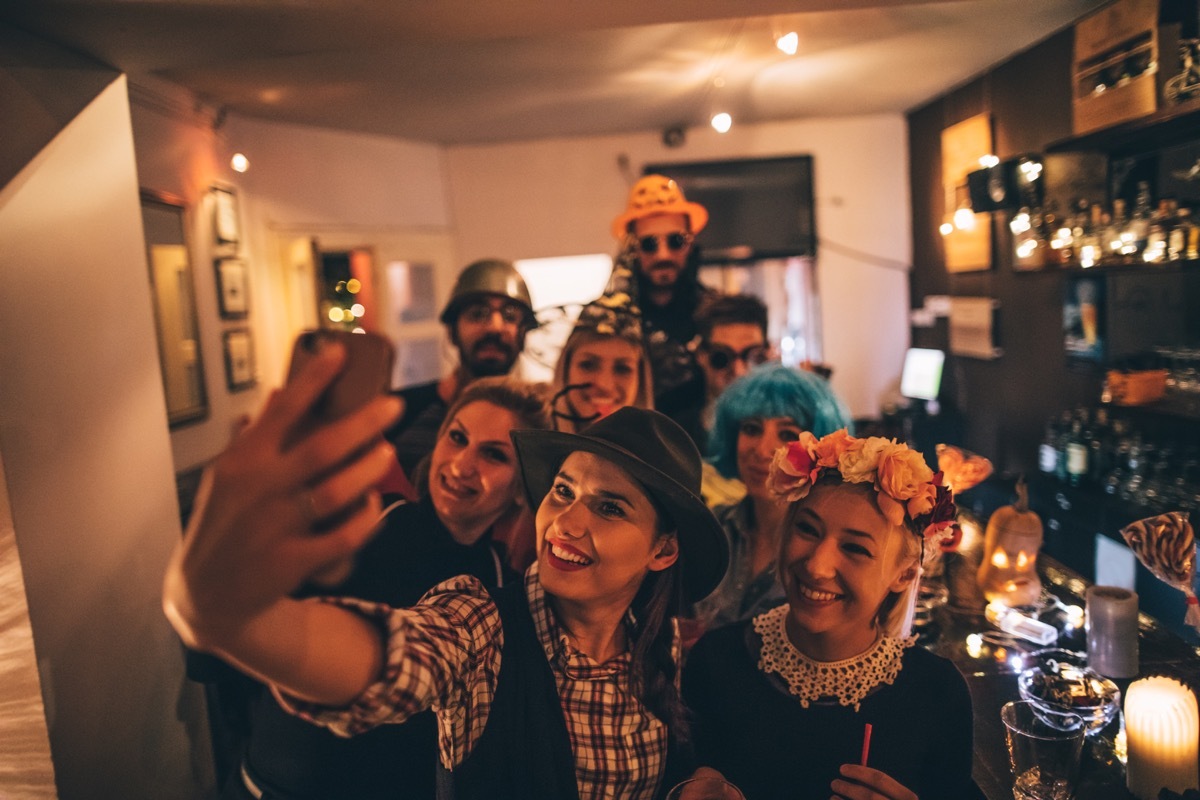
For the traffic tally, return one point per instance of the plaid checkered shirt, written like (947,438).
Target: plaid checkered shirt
(444,653)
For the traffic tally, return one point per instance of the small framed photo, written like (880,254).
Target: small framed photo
(239,359)
(232,288)
(225,216)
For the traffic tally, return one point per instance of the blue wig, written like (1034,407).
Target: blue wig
(772,390)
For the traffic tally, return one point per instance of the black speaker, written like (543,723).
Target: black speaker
(1008,185)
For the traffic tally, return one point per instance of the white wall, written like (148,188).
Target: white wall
(83,433)
(556,197)
(305,181)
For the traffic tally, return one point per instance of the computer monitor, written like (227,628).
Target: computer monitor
(922,375)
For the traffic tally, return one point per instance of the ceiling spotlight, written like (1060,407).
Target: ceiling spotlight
(788,43)
(722,122)
(239,162)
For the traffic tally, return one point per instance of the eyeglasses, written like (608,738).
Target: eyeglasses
(674,241)
(480,313)
(721,357)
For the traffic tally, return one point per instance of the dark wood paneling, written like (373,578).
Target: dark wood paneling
(1005,402)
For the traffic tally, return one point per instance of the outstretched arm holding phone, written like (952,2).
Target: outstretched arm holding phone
(252,542)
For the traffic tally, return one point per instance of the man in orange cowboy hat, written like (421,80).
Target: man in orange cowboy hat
(657,233)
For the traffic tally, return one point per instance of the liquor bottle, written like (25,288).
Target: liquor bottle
(1099,459)
(1139,221)
(1088,237)
(1048,449)
(1117,233)
(1157,233)
(1078,449)
(1060,446)
(1178,239)
(1191,250)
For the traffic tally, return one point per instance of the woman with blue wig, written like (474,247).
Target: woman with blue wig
(756,415)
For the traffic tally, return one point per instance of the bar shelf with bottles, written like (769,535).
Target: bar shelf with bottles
(1091,235)
(1132,454)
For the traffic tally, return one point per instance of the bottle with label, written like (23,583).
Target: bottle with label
(1078,449)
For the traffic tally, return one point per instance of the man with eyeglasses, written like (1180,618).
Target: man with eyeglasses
(657,232)
(732,339)
(487,317)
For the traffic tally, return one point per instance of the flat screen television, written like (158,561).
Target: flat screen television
(758,208)
(921,378)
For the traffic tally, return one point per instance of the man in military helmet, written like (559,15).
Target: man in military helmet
(657,233)
(487,317)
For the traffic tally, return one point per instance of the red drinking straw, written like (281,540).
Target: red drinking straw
(866,743)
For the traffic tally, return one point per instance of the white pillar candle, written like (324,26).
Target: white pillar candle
(1162,731)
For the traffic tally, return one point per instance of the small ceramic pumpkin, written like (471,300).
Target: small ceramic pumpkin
(1008,572)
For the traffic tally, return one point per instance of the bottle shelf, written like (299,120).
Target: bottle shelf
(1165,127)
(1148,268)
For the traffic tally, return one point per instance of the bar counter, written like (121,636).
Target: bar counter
(992,678)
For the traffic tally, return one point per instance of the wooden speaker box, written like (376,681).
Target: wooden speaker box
(1116,63)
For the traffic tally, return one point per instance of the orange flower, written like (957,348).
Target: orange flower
(901,472)
(828,449)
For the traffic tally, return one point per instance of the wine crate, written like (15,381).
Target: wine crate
(1116,64)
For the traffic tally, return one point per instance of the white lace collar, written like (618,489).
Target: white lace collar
(847,681)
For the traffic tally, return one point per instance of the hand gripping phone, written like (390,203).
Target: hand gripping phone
(366,373)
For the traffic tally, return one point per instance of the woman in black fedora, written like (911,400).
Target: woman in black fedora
(564,686)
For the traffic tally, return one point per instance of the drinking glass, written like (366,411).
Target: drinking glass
(1043,748)
(705,789)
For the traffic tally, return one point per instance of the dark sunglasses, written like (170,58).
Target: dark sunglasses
(721,357)
(675,242)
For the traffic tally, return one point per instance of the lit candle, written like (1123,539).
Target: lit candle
(1162,731)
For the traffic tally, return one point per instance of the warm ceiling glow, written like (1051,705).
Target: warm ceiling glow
(722,122)
(788,43)
(239,162)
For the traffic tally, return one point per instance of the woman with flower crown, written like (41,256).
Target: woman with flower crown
(826,694)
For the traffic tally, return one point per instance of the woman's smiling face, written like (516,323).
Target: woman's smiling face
(840,560)
(610,366)
(598,533)
(473,475)
(757,441)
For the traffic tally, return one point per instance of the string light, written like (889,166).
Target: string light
(788,43)
(722,122)
(239,162)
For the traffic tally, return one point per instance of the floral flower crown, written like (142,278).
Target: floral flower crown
(905,486)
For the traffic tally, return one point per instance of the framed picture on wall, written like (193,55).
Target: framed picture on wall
(232,288)
(239,359)
(1084,316)
(226,229)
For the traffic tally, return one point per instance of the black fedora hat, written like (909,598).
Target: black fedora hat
(660,456)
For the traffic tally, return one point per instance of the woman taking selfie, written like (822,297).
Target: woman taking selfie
(755,416)
(827,694)
(602,366)
(472,482)
(580,658)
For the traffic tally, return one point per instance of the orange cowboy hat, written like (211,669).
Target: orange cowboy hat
(658,194)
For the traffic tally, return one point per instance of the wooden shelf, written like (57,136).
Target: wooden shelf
(1153,268)
(1166,127)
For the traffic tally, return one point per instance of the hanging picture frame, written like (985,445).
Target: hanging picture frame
(239,359)
(226,228)
(233,293)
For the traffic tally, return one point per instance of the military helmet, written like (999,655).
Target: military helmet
(488,276)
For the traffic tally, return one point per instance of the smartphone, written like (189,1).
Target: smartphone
(366,373)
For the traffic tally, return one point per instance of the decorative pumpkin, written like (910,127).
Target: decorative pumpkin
(1008,572)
